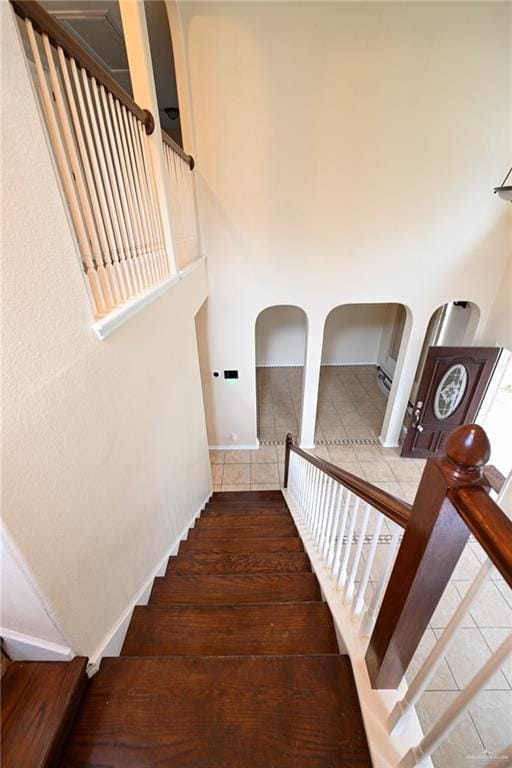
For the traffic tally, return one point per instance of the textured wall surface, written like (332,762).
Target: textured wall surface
(104,447)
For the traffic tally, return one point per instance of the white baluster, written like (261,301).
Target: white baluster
(341,533)
(342,578)
(319,509)
(335,526)
(100,288)
(322,507)
(371,613)
(431,663)
(336,490)
(358,605)
(452,715)
(349,592)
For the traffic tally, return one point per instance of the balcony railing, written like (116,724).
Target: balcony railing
(100,138)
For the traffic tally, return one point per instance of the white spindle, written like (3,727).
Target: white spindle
(451,716)
(105,194)
(342,578)
(155,218)
(335,527)
(336,490)
(321,508)
(341,533)
(349,592)
(371,613)
(359,601)
(431,663)
(99,288)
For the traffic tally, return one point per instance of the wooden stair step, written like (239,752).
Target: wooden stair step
(234,712)
(274,562)
(239,497)
(209,589)
(39,703)
(240,546)
(244,511)
(227,630)
(246,528)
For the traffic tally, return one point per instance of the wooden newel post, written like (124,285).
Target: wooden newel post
(288,445)
(433,542)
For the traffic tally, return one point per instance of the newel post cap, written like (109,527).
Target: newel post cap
(468,448)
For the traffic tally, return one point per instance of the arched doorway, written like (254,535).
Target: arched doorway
(280,352)
(360,348)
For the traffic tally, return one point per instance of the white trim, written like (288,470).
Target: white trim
(307,447)
(113,641)
(322,365)
(118,317)
(20,647)
(376,705)
(235,447)
(387,445)
(191,267)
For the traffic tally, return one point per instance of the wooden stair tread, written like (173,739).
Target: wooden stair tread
(234,712)
(246,528)
(239,497)
(240,546)
(273,562)
(39,703)
(226,630)
(210,589)
(264,519)
(232,511)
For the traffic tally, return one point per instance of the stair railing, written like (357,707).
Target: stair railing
(452,503)
(344,515)
(100,137)
(185,221)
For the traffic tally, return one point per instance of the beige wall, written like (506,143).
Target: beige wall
(346,153)
(104,445)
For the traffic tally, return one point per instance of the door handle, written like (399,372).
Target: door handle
(417,415)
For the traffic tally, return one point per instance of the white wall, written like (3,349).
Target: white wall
(281,336)
(104,451)
(352,334)
(348,157)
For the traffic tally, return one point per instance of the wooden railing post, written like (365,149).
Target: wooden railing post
(288,445)
(432,544)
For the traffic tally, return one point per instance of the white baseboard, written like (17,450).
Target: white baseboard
(112,643)
(387,445)
(20,647)
(235,447)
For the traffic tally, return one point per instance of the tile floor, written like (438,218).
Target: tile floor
(350,408)
(350,403)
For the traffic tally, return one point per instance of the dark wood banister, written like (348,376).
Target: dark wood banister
(452,501)
(397,510)
(179,151)
(489,525)
(44,23)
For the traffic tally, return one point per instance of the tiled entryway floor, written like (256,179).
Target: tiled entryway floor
(350,403)
(486,729)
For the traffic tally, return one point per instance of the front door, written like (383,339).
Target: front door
(450,392)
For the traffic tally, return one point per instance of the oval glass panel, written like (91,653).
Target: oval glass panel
(450,391)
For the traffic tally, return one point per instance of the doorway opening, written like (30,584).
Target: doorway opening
(280,354)
(360,349)
(495,415)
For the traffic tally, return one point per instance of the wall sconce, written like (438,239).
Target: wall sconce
(505,192)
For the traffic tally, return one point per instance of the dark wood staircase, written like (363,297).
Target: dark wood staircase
(234,662)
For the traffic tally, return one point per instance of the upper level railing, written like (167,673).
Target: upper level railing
(185,229)
(391,563)
(100,138)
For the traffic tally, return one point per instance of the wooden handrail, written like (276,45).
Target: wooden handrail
(398,511)
(489,525)
(179,151)
(44,23)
